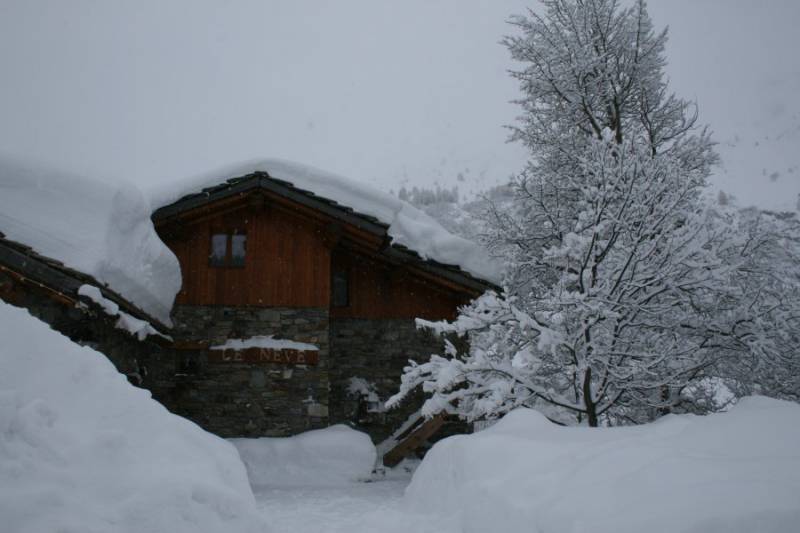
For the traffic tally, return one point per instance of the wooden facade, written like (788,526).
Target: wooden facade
(287,261)
(292,254)
(382,290)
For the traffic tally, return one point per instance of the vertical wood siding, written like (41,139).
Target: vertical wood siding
(380,290)
(289,263)
(286,264)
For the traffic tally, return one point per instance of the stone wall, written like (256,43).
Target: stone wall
(376,351)
(235,399)
(241,399)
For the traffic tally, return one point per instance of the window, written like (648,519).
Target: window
(340,289)
(238,248)
(227,249)
(219,250)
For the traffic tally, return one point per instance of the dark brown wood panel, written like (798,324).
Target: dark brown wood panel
(287,261)
(382,290)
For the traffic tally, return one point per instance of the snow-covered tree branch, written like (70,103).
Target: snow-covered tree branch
(623,286)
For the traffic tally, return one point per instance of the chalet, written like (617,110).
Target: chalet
(296,310)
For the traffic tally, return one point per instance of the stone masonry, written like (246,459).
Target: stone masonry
(234,399)
(376,351)
(248,400)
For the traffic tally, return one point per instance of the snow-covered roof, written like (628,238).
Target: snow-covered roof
(92,227)
(106,231)
(406,225)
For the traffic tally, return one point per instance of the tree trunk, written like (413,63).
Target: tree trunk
(591,415)
(665,400)
(591,407)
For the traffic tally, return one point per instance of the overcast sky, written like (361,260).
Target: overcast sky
(388,92)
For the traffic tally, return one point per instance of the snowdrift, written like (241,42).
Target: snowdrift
(94,228)
(735,472)
(325,457)
(83,451)
(407,225)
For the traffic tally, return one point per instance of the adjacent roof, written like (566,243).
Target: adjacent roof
(31,267)
(412,235)
(394,221)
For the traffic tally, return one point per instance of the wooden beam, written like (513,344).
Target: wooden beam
(412,442)
(257,202)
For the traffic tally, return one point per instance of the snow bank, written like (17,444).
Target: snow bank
(331,456)
(83,451)
(732,472)
(100,230)
(407,225)
(265,341)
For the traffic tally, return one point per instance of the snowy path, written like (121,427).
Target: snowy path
(374,507)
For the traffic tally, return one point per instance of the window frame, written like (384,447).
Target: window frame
(228,261)
(343,275)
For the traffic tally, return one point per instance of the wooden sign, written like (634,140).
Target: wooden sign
(264,355)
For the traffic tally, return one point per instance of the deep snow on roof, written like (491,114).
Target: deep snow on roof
(106,232)
(91,227)
(408,226)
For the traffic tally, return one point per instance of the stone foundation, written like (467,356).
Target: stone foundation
(235,399)
(242,399)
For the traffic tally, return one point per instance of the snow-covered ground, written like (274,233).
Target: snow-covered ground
(733,472)
(333,456)
(83,451)
(321,482)
(375,507)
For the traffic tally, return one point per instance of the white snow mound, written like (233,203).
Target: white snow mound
(407,225)
(735,472)
(83,451)
(91,227)
(337,455)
